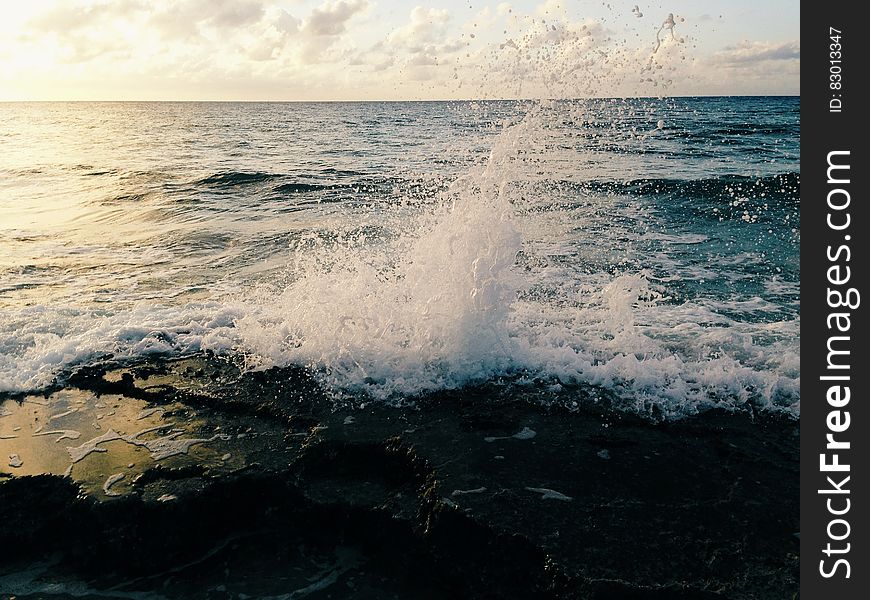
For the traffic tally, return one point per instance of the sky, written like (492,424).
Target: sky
(285,50)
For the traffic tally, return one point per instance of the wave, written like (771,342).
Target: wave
(235,178)
(241,178)
(299,188)
(447,285)
(782,185)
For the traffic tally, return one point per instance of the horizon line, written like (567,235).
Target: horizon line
(403,100)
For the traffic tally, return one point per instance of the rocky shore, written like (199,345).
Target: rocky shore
(187,479)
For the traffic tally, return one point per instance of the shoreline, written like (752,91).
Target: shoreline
(466,494)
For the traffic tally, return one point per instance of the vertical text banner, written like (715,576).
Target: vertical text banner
(835,373)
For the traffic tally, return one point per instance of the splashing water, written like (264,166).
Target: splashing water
(425,311)
(445,302)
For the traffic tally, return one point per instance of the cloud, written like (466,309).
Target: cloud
(426,27)
(234,13)
(324,27)
(365,49)
(269,37)
(184,19)
(330,19)
(286,23)
(76,32)
(425,39)
(483,20)
(417,49)
(87,30)
(69,17)
(552,9)
(750,67)
(757,51)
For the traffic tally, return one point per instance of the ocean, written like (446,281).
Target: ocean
(645,248)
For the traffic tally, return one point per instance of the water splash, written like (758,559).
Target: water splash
(448,299)
(426,310)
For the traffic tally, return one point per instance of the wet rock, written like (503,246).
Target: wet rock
(451,496)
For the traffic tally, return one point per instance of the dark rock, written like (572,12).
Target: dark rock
(467,494)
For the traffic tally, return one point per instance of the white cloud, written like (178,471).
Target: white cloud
(756,51)
(418,48)
(752,67)
(330,19)
(325,27)
(234,13)
(359,48)
(186,19)
(484,19)
(285,22)
(426,27)
(552,9)
(70,17)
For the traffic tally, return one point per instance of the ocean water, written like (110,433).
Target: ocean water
(646,247)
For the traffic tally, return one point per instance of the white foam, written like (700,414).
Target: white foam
(160,447)
(147,413)
(63,414)
(171,446)
(548,494)
(65,434)
(524,434)
(112,480)
(79,452)
(479,490)
(38,341)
